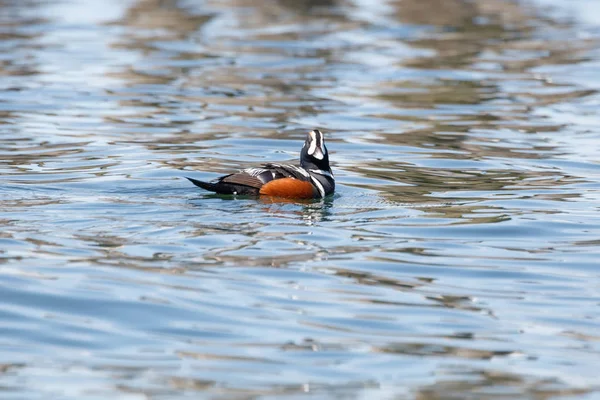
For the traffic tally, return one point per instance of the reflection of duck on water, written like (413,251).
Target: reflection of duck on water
(312,179)
(312,211)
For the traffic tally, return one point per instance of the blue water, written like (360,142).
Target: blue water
(458,258)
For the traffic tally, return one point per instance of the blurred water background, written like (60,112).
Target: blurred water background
(457,260)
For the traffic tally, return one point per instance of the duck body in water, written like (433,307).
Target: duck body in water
(312,179)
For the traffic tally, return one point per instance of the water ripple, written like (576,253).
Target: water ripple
(457,258)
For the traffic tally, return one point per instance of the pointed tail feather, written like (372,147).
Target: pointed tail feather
(211,187)
(225,188)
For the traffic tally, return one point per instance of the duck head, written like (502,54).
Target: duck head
(314,153)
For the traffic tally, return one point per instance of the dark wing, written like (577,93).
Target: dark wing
(256,177)
(242,178)
(249,181)
(253,177)
(288,171)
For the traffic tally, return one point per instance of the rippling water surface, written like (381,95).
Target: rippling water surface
(458,258)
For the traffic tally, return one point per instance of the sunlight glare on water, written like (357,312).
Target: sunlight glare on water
(457,259)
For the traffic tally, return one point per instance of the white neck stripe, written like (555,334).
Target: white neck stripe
(318,185)
(321,172)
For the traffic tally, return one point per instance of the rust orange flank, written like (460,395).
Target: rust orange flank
(289,188)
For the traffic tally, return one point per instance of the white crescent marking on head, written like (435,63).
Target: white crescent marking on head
(313,144)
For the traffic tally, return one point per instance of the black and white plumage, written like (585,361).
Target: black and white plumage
(312,179)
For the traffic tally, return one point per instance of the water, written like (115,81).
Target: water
(458,258)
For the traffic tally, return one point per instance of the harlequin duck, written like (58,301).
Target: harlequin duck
(312,179)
